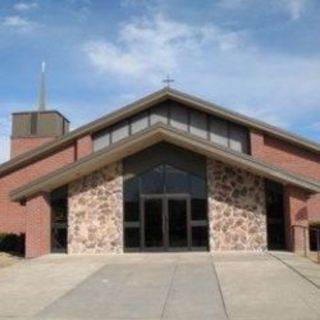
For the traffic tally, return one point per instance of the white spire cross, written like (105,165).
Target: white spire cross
(42,89)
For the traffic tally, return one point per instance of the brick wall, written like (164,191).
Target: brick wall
(285,155)
(12,215)
(38,226)
(296,218)
(84,146)
(21,145)
(314,207)
(292,158)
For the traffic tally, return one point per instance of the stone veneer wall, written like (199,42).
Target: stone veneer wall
(95,212)
(237,211)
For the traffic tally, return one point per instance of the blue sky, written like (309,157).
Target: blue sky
(261,58)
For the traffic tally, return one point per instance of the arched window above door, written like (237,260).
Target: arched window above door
(165,178)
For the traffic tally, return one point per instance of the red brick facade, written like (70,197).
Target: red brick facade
(285,155)
(83,146)
(301,208)
(296,213)
(22,145)
(38,226)
(13,216)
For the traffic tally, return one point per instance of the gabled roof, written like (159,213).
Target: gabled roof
(148,137)
(144,103)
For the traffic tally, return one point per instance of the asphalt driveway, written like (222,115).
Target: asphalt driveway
(241,286)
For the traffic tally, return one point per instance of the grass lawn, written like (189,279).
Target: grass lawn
(6,259)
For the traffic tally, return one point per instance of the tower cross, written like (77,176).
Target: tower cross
(42,88)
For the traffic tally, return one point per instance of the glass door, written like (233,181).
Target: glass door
(153,224)
(178,226)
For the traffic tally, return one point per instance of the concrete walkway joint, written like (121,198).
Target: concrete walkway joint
(172,286)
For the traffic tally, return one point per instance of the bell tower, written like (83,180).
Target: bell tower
(30,129)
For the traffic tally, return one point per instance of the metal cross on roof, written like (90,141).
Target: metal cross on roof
(167,81)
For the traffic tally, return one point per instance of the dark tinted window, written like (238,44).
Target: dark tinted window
(132,237)
(59,205)
(164,179)
(131,211)
(275,216)
(198,188)
(59,219)
(198,209)
(152,181)
(199,236)
(176,180)
(131,190)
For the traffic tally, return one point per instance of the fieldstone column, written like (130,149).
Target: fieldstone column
(96,212)
(237,209)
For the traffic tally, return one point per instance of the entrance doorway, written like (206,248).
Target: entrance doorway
(275,216)
(166,223)
(59,220)
(165,209)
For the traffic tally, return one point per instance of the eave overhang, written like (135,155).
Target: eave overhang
(151,136)
(145,103)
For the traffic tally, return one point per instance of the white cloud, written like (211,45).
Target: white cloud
(25,6)
(293,8)
(149,47)
(207,60)
(18,23)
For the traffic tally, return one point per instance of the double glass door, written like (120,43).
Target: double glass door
(165,222)
(165,208)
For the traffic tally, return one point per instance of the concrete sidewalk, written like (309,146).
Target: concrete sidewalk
(259,286)
(235,286)
(28,286)
(301,265)
(156,286)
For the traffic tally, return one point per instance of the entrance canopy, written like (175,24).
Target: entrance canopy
(148,137)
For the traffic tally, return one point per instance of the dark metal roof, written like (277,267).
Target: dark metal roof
(144,103)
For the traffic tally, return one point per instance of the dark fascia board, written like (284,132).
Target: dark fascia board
(148,137)
(144,103)
(41,111)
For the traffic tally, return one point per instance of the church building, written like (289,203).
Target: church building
(169,172)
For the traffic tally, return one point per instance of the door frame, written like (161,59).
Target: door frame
(165,221)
